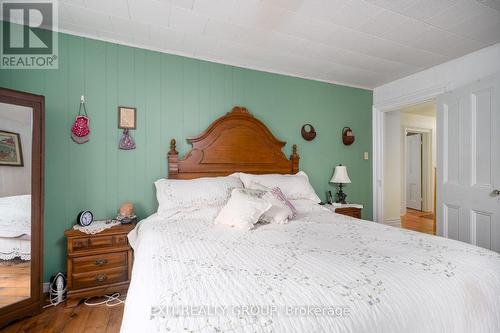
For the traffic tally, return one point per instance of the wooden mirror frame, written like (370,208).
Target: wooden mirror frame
(32,305)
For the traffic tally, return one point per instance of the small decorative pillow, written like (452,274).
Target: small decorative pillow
(277,196)
(242,210)
(176,196)
(277,192)
(293,186)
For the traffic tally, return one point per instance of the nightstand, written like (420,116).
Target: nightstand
(98,264)
(353,210)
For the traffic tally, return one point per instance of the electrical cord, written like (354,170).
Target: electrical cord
(110,300)
(54,298)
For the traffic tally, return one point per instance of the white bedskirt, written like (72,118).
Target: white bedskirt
(11,248)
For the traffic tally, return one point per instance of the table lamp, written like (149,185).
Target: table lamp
(340,177)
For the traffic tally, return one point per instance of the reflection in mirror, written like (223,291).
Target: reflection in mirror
(15,202)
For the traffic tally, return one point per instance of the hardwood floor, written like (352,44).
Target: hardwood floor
(79,319)
(418,221)
(14,282)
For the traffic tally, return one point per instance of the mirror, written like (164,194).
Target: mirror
(21,202)
(15,202)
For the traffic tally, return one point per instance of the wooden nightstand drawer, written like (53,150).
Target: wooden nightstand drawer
(79,244)
(100,242)
(120,240)
(99,262)
(353,212)
(99,278)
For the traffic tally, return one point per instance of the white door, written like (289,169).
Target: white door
(414,171)
(468,127)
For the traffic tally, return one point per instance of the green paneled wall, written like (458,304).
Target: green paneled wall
(176,97)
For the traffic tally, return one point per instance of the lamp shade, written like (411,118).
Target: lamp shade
(340,175)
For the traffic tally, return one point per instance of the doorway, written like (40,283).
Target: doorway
(413,170)
(409,160)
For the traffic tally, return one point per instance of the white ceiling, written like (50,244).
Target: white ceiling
(362,43)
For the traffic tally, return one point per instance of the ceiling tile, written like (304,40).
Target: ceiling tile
(383,23)
(354,13)
(215,9)
(394,5)
(493,4)
(424,9)
(307,28)
(187,4)
(166,38)
(150,12)
(129,28)
(454,15)
(406,32)
(489,35)
(445,43)
(187,21)
(82,16)
(110,7)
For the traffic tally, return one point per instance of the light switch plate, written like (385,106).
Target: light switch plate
(365,155)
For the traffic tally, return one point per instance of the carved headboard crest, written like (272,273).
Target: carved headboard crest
(236,142)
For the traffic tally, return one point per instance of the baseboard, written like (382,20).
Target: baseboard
(393,222)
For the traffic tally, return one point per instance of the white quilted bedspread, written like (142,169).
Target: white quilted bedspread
(15,216)
(361,277)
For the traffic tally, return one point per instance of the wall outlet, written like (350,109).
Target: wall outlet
(365,155)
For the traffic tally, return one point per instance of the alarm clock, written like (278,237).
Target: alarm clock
(84,218)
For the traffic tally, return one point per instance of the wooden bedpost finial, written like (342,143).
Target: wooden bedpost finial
(295,159)
(172,147)
(173,160)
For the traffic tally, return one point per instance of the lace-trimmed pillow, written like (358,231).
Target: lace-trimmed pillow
(242,210)
(293,186)
(175,195)
(278,213)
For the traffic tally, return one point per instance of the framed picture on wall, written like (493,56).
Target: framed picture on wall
(11,153)
(126,117)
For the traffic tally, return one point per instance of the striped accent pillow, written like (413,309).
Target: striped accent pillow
(279,194)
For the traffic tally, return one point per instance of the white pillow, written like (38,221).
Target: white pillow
(242,210)
(305,206)
(176,195)
(293,186)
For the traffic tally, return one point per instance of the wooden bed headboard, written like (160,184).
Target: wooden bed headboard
(236,142)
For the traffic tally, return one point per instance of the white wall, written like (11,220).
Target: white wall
(452,74)
(16,180)
(392,166)
(395,123)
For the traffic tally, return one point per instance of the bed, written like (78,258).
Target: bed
(322,272)
(15,227)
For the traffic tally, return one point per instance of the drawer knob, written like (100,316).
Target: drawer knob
(101,278)
(100,262)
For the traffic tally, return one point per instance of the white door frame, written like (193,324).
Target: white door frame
(378,114)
